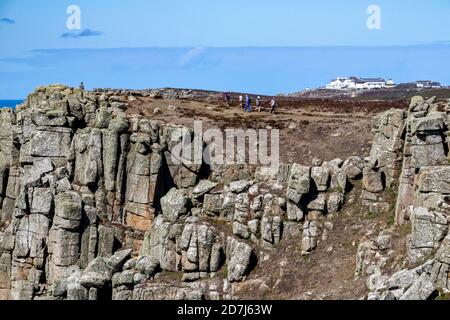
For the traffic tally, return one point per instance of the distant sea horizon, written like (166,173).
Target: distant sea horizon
(261,70)
(10,103)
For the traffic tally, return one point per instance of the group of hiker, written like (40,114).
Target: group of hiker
(246,104)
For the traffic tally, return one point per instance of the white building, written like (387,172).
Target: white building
(390,83)
(428,84)
(345,83)
(341,83)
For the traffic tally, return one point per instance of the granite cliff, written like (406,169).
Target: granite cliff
(92,206)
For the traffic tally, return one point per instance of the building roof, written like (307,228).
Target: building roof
(360,80)
(426,82)
(372,80)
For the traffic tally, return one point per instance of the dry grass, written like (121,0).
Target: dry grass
(320,128)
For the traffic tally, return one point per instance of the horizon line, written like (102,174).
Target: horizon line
(435,43)
(197,89)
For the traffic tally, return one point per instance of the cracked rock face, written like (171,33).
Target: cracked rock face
(423,203)
(94,205)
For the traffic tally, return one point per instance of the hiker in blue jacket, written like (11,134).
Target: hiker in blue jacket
(248,104)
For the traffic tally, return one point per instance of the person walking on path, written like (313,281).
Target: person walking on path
(258,103)
(273,106)
(241,101)
(248,104)
(228,98)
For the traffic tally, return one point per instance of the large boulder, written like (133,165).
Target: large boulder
(299,182)
(353,167)
(201,248)
(119,258)
(428,230)
(68,210)
(175,204)
(147,266)
(203,187)
(160,243)
(433,122)
(310,235)
(51,142)
(96,274)
(372,176)
(435,179)
(422,289)
(239,259)
(321,178)
(240,186)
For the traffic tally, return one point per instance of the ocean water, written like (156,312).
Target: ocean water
(10,103)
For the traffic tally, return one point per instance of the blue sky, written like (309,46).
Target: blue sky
(264,46)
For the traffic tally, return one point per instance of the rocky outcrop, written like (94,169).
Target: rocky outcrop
(95,204)
(80,179)
(423,202)
(388,144)
(425,145)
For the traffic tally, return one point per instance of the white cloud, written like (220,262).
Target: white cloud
(191,55)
